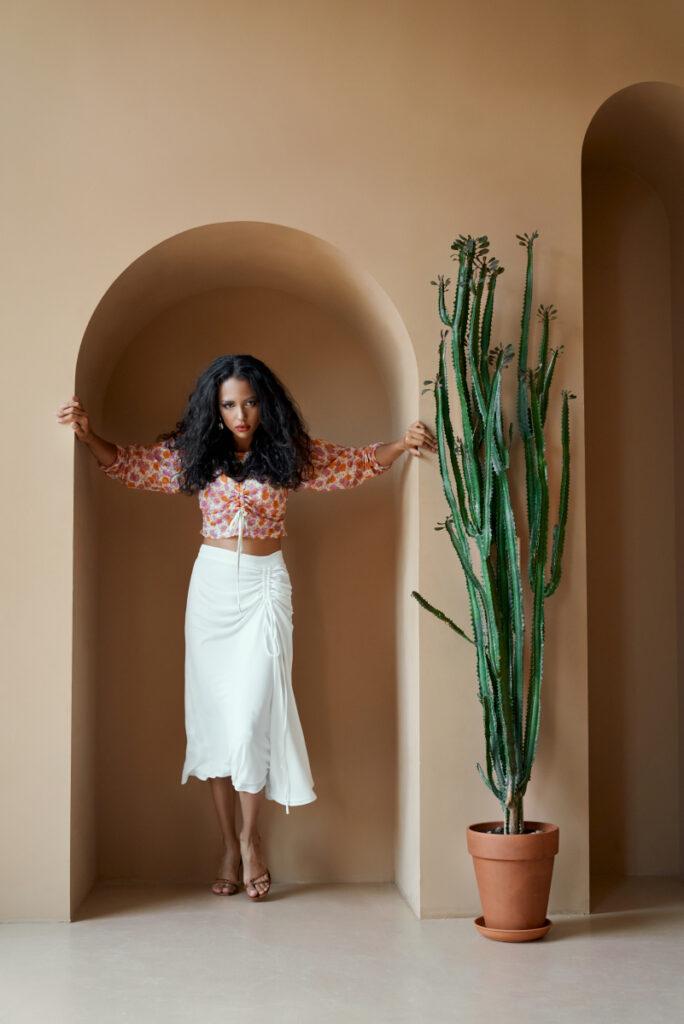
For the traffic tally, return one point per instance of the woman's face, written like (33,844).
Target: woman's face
(239,409)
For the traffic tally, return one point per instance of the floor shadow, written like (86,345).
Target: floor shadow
(114,899)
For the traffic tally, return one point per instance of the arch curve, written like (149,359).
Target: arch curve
(312,313)
(239,254)
(633,240)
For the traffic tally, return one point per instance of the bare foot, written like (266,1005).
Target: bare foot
(254,866)
(227,882)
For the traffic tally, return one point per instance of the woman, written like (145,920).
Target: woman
(242,447)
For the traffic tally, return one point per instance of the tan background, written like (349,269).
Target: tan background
(374,133)
(633,219)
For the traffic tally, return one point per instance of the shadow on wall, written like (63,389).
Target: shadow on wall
(336,341)
(633,211)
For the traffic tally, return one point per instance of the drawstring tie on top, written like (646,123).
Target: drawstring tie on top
(238,523)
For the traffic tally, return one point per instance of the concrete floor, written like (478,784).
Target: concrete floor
(339,953)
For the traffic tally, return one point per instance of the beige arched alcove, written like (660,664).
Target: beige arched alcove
(332,334)
(633,208)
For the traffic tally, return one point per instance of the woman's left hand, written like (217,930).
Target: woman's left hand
(419,436)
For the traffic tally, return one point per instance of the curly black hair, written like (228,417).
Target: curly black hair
(281,450)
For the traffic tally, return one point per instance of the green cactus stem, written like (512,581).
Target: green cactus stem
(474,468)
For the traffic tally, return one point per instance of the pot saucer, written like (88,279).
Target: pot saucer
(512,935)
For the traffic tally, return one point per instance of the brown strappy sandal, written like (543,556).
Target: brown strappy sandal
(266,877)
(225,882)
(234,887)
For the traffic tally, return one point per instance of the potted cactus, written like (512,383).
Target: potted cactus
(513,858)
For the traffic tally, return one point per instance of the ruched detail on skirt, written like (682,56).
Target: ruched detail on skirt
(241,718)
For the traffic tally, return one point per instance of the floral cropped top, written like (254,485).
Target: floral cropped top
(247,508)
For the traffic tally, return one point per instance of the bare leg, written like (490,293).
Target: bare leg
(224,801)
(250,843)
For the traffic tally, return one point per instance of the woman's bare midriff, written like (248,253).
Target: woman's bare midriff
(250,545)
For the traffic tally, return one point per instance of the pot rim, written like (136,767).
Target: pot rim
(536,845)
(482,827)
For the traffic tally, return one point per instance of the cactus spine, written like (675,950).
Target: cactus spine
(481,524)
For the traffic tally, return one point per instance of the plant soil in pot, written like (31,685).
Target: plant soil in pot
(513,875)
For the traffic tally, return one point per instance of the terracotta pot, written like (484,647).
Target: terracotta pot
(514,878)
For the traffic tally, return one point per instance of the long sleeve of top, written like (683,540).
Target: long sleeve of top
(337,468)
(154,467)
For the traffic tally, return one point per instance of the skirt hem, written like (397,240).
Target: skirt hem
(248,789)
(203,775)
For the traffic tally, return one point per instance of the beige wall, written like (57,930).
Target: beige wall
(373,127)
(634,733)
(633,222)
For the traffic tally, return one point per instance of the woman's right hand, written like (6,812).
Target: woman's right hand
(73,412)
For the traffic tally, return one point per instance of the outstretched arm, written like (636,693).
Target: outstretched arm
(337,467)
(73,413)
(154,467)
(416,437)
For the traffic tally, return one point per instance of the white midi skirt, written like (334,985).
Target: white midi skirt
(241,717)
